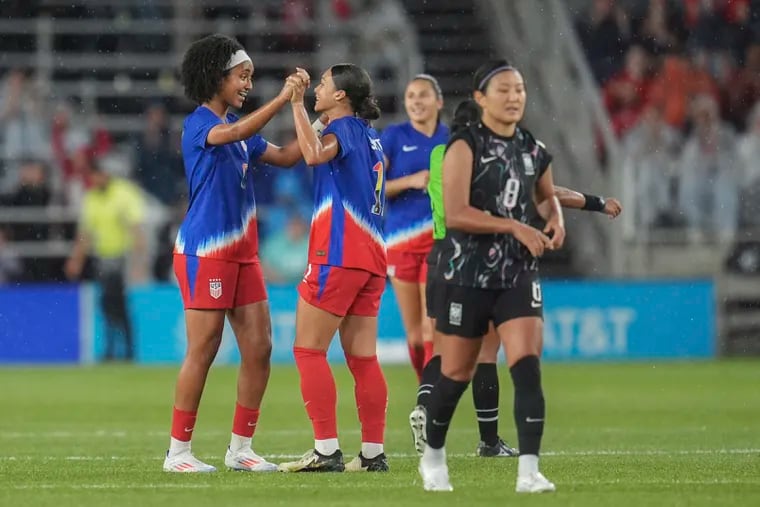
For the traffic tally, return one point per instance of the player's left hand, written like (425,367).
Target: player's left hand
(555,229)
(612,207)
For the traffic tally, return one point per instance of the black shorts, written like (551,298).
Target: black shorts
(432,293)
(432,288)
(466,311)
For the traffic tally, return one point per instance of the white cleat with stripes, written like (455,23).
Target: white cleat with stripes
(185,462)
(246,460)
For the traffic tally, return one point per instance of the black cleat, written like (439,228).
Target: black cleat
(499,450)
(313,461)
(361,464)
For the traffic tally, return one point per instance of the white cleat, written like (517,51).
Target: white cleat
(434,472)
(417,421)
(246,460)
(534,483)
(186,463)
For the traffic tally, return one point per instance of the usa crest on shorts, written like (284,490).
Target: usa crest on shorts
(215,288)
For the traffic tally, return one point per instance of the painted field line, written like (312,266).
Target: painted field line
(569,453)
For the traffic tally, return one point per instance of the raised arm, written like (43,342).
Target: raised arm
(253,122)
(315,150)
(249,124)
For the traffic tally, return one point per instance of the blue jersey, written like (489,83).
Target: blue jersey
(409,218)
(221,218)
(349,201)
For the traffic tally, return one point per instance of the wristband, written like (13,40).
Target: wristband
(594,203)
(318,127)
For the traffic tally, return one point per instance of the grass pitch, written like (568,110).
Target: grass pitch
(675,434)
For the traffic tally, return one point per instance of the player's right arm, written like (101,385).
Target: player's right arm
(315,150)
(460,215)
(418,181)
(253,122)
(573,199)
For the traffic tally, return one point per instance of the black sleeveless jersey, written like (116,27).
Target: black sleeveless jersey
(504,176)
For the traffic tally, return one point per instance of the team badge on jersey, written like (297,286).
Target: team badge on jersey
(530,169)
(215,288)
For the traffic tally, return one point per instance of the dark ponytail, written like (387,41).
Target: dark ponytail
(368,109)
(357,84)
(466,113)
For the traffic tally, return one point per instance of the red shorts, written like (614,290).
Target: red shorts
(342,291)
(214,284)
(407,266)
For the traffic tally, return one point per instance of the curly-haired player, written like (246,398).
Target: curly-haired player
(216,252)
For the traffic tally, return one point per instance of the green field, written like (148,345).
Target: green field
(675,434)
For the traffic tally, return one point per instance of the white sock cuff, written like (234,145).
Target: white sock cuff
(527,464)
(326,447)
(370,450)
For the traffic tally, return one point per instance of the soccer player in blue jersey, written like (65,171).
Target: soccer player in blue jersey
(345,277)
(216,251)
(408,218)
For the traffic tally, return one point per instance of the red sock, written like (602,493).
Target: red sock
(183,424)
(371,393)
(245,420)
(318,391)
(428,346)
(417,355)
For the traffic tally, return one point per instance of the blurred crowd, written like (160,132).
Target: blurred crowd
(51,146)
(680,80)
(61,151)
(681,83)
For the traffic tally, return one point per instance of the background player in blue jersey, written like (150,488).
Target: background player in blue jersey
(408,218)
(345,278)
(216,251)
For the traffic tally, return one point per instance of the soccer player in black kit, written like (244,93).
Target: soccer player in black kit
(493,174)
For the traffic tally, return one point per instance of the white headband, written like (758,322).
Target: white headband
(237,58)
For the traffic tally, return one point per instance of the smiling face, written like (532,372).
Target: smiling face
(421,101)
(504,97)
(236,84)
(326,94)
